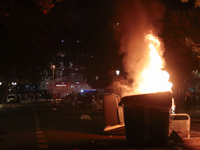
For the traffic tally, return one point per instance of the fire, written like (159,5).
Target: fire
(147,74)
(153,79)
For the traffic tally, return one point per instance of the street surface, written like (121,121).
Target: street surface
(43,124)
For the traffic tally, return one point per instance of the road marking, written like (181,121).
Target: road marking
(179,148)
(43,146)
(42,140)
(40,136)
(39,132)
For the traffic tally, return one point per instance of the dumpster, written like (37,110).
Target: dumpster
(146,118)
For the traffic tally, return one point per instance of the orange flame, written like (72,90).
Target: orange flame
(153,78)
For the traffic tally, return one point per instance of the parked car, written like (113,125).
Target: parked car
(97,104)
(83,100)
(12,98)
(69,100)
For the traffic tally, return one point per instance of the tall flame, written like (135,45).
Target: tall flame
(153,78)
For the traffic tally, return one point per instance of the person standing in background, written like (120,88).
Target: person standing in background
(188,99)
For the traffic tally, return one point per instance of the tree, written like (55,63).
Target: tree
(197,2)
(189,40)
(181,32)
(180,28)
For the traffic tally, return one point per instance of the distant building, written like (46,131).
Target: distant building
(66,82)
(67,79)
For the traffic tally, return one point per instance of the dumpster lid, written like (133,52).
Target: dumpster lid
(163,99)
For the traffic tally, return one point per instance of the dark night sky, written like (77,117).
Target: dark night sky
(29,38)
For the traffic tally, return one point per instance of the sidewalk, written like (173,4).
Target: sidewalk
(194,110)
(194,141)
(194,113)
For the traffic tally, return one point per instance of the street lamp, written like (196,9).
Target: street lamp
(117,72)
(53,70)
(9,91)
(115,80)
(53,67)
(14,83)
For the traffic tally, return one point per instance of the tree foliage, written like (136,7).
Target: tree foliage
(181,32)
(189,40)
(180,28)
(197,2)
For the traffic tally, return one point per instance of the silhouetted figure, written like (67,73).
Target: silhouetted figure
(188,99)
(54,97)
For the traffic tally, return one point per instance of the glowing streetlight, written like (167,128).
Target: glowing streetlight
(14,83)
(0,83)
(53,70)
(53,67)
(117,72)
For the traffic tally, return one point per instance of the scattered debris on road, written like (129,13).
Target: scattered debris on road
(85,117)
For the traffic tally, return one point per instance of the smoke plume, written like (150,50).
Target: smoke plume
(136,19)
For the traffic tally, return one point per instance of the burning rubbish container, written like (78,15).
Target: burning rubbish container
(146,118)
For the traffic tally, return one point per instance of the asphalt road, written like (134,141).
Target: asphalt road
(47,125)
(44,124)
